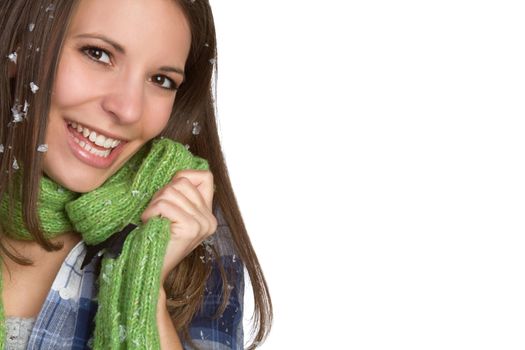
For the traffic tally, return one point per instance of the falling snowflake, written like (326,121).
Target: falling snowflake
(12,57)
(60,190)
(15,164)
(108,202)
(34,87)
(196,128)
(50,8)
(1,148)
(233,258)
(187,146)
(26,107)
(31,27)
(42,148)
(206,44)
(135,193)
(212,60)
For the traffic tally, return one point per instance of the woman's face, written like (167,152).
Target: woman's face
(120,61)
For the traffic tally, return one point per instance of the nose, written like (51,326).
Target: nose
(125,99)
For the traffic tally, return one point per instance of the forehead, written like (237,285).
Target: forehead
(142,27)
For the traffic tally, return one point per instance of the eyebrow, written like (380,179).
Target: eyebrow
(121,49)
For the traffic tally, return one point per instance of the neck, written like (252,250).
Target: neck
(32,250)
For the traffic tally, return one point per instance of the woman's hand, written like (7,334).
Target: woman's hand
(187,202)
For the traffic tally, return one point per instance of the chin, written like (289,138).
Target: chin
(76,184)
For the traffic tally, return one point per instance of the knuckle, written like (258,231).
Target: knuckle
(162,203)
(170,190)
(161,193)
(196,227)
(183,181)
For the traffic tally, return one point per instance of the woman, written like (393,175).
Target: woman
(119,225)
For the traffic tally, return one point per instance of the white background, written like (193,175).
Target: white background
(377,152)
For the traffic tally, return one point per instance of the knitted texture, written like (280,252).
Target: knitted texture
(128,285)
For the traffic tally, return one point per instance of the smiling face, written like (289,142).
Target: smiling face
(115,87)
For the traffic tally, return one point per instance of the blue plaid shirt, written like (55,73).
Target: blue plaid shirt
(66,320)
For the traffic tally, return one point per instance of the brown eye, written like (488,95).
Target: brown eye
(164,82)
(97,54)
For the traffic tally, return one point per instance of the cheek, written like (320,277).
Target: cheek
(159,114)
(73,84)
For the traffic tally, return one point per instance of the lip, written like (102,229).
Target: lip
(87,157)
(98,131)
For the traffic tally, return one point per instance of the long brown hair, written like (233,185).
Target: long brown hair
(35,30)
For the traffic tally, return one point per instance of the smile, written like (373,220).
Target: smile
(91,138)
(92,147)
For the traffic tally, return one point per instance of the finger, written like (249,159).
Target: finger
(174,197)
(178,216)
(184,186)
(202,179)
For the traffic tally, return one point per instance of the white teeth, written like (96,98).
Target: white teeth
(87,147)
(98,139)
(100,153)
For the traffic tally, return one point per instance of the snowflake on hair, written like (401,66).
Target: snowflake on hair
(18,114)
(34,87)
(12,57)
(196,128)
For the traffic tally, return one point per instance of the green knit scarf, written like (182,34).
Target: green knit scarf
(128,285)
